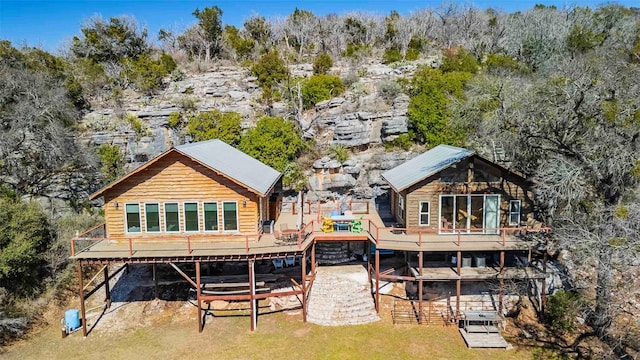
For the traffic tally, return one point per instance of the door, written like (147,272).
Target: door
(491,214)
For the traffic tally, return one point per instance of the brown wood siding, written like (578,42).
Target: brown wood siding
(509,187)
(176,178)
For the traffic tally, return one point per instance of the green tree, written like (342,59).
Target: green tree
(429,114)
(216,125)
(320,87)
(146,74)
(270,69)
(114,40)
(112,162)
(24,237)
(241,45)
(274,141)
(209,19)
(322,63)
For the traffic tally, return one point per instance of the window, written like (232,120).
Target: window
(400,206)
(230,216)
(191,216)
(469,214)
(171,217)
(514,212)
(152,217)
(133,218)
(424,213)
(211,216)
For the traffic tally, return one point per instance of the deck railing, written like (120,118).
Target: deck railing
(382,236)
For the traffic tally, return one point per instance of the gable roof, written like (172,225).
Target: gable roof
(424,165)
(221,158)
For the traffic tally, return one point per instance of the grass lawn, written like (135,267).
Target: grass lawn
(279,336)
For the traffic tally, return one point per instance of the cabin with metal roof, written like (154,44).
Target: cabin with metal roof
(455,190)
(203,188)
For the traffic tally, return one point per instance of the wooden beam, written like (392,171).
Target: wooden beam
(458,284)
(107,289)
(155,281)
(420,285)
(83,317)
(185,276)
(303,265)
(377,280)
(252,293)
(198,296)
(93,278)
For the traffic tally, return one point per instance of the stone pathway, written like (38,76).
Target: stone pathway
(341,295)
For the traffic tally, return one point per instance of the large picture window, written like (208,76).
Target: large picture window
(133,218)
(514,212)
(230,216)
(469,214)
(425,213)
(210,216)
(191,216)
(152,217)
(171,217)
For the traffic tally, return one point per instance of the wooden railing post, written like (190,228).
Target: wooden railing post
(189,244)
(73,247)
(504,237)
(130,248)
(459,238)
(246,242)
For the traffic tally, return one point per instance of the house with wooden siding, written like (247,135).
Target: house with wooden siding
(205,188)
(454,190)
(207,203)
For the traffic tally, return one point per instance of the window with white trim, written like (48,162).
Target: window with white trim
(425,213)
(210,216)
(230,215)
(133,218)
(514,212)
(400,206)
(152,217)
(171,217)
(191,219)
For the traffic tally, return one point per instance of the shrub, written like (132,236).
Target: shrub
(168,63)
(339,152)
(459,60)
(498,61)
(320,87)
(356,51)
(391,56)
(270,69)
(188,104)
(136,124)
(174,120)
(322,63)
(389,89)
(215,124)
(403,141)
(112,162)
(562,308)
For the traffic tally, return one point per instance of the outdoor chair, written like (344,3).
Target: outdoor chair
(356,226)
(290,261)
(327,225)
(278,263)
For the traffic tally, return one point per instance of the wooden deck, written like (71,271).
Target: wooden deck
(468,273)
(484,339)
(187,247)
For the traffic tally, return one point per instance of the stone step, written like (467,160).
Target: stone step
(341,295)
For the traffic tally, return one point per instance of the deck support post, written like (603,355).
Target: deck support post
(252,292)
(420,286)
(303,265)
(543,291)
(458,285)
(199,297)
(313,257)
(367,253)
(155,281)
(107,290)
(501,279)
(458,282)
(377,280)
(83,316)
